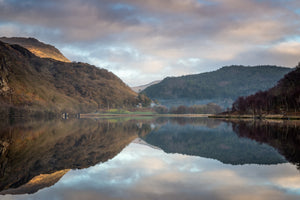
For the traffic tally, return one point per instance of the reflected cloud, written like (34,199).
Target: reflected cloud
(172,180)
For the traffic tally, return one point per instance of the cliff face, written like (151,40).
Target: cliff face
(36,47)
(28,82)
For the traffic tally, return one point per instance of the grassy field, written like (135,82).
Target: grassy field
(137,113)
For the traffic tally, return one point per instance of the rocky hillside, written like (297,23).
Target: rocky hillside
(30,83)
(36,47)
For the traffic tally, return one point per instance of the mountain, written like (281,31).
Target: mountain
(143,87)
(284,98)
(30,84)
(36,47)
(217,86)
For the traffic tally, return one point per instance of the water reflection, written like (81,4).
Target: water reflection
(282,135)
(211,139)
(140,172)
(178,159)
(34,148)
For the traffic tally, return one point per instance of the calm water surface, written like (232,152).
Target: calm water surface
(177,158)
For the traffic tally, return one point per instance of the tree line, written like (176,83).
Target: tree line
(210,108)
(284,98)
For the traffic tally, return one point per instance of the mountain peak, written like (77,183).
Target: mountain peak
(36,47)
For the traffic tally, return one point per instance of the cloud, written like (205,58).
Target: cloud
(147,40)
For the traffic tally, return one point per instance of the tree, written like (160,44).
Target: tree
(144,100)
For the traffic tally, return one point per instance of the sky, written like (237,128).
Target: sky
(147,40)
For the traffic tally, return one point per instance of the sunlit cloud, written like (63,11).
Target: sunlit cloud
(290,47)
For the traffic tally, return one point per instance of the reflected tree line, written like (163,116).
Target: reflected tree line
(284,136)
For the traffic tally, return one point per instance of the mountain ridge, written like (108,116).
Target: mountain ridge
(228,82)
(36,47)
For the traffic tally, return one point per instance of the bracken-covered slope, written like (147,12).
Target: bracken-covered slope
(36,47)
(227,82)
(31,83)
(284,98)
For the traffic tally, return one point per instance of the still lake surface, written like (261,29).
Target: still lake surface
(149,158)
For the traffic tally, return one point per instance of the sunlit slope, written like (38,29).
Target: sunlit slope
(36,47)
(31,83)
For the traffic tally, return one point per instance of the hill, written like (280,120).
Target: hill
(36,47)
(142,87)
(226,83)
(284,98)
(30,83)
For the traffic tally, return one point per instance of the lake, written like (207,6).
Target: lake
(149,158)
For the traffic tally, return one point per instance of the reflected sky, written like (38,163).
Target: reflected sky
(140,172)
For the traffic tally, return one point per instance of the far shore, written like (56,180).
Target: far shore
(226,116)
(89,115)
(274,116)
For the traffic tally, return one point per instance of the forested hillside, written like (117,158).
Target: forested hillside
(284,98)
(226,83)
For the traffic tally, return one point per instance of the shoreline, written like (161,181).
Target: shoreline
(142,115)
(274,116)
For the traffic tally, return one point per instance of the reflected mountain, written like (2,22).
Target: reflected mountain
(282,135)
(35,154)
(220,142)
